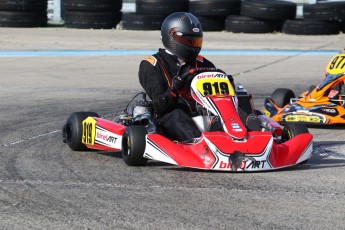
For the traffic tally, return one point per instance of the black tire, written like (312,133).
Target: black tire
(329,11)
(291,130)
(134,21)
(258,112)
(23,19)
(133,145)
(72,131)
(282,96)
(211,23)
(245,24)
(92,20)
(268,9)
(310,27)
(214,7)
(93,5)
(23,5)
(161,6)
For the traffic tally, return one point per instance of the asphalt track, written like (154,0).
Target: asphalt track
(45,185)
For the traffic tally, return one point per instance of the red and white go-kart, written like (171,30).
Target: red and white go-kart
(241,140)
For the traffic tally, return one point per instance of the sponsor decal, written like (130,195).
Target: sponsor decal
(334,111)
(333,93)
(268,114)
(302,118)
(202,76)
(254,164)
(246,164)
(106,137)
(329,111)
(212,75)
(237,130)
(196,30)
(235,125)
(229,165)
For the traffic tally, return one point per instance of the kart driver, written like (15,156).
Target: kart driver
(336,69)
(160,74)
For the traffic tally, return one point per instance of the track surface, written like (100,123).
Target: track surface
(43,184)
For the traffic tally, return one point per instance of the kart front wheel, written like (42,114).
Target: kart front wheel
(282,96)
(133,145)
(293,129)
(72,130)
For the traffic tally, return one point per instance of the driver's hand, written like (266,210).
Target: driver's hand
(181,77)
(177,83)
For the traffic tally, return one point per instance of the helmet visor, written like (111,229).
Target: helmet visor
(188,40)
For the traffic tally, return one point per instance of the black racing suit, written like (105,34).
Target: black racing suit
(155,76)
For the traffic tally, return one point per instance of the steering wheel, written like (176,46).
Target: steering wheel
(195,71)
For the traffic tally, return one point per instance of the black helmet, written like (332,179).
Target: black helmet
(181,34)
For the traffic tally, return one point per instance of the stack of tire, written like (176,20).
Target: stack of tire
(23,13)
(150,14)
(92,14)
(319,19)
(260,16)
(212,13)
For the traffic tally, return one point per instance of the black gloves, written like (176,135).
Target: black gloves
(177,83)
(179,80)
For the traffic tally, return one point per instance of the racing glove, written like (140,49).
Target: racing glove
(179,79)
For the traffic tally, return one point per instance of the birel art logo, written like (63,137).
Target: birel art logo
(106,137)
(206,76)
(211,75)
(247,164)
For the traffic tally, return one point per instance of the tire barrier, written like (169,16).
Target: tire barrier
(23,13)
(216,8)
(328,11)
(236,16)
(212,14)
(135,21)
(164,7)
(268,9)
(212,23)
(310,27)
(150,14)
(319,19)
(92,14)
(245,24)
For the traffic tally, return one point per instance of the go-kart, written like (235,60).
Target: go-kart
(234,137)
(320,105)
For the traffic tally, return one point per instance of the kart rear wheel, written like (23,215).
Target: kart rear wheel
(72,130)
(133,145)
(282,96)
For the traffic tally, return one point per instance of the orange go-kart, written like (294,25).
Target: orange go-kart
(320,105)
